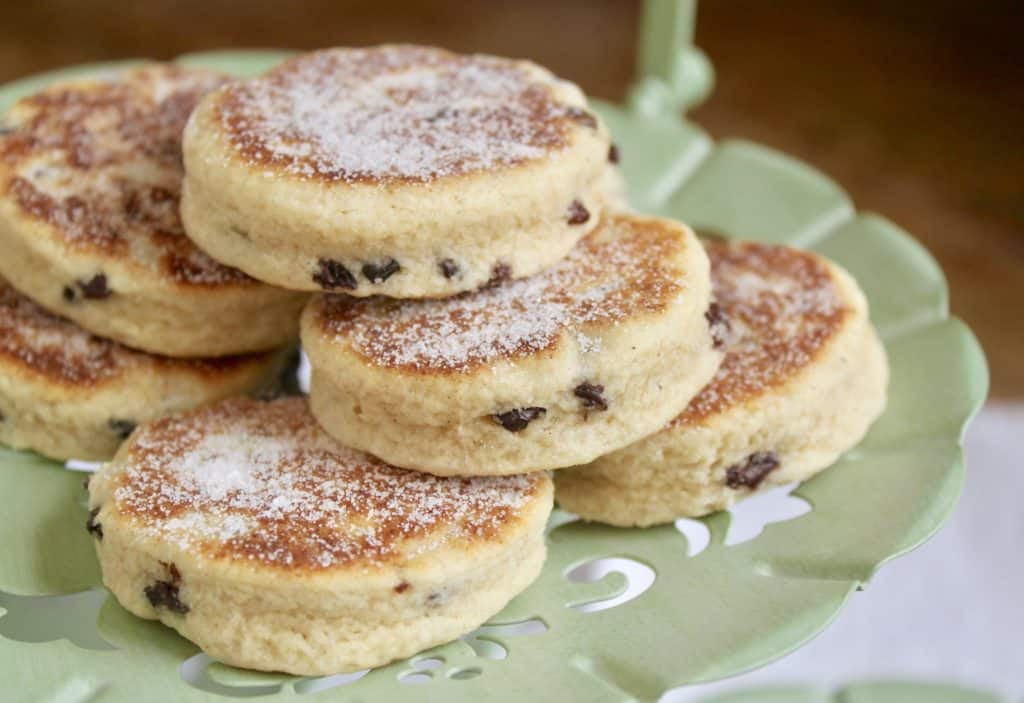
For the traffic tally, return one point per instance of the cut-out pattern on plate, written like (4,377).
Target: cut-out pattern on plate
(727,609)
(87,467)
(638,576)
(196,672)
(49,618)
(751,516)
(421,670)
(748,518)
(304,373)
(322,683)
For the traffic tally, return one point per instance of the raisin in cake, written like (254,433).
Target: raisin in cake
(403,171)
(590,355)
(804,376)
(90,178)
(271,546)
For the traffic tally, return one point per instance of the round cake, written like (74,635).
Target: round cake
(271,546)
(594,353)
(804,376)
(66,393)
(90,177)
(397,170)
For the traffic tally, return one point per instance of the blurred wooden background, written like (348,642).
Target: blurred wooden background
(916,107)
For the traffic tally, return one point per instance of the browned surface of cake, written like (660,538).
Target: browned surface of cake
(395,113)
(259,481)
(61,352)
(99,161)
(51,346)
(623,269)
(782,308)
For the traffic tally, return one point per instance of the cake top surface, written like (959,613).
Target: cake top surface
(61,352)
(399,113)
(627,267)
(782,306)
(98,159)
(260,482)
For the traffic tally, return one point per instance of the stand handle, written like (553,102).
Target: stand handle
(674,75)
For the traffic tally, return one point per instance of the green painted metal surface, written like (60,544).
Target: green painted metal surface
(723,611)
(870,692)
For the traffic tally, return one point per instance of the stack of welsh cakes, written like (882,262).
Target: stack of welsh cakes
(480,310)
(109,315)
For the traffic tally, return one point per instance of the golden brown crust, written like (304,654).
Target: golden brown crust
(782,306)
(63,353)
(99,161)
(625,268)
(396,114)
(259,481)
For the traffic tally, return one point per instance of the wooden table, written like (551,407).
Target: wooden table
(917,108)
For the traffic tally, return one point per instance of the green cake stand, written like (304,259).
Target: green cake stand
(617,615)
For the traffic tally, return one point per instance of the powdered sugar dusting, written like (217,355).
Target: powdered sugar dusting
(625,267)
(52,346)
(63,352)
(100,161)
(394,113)
(782,307)
(260,481)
